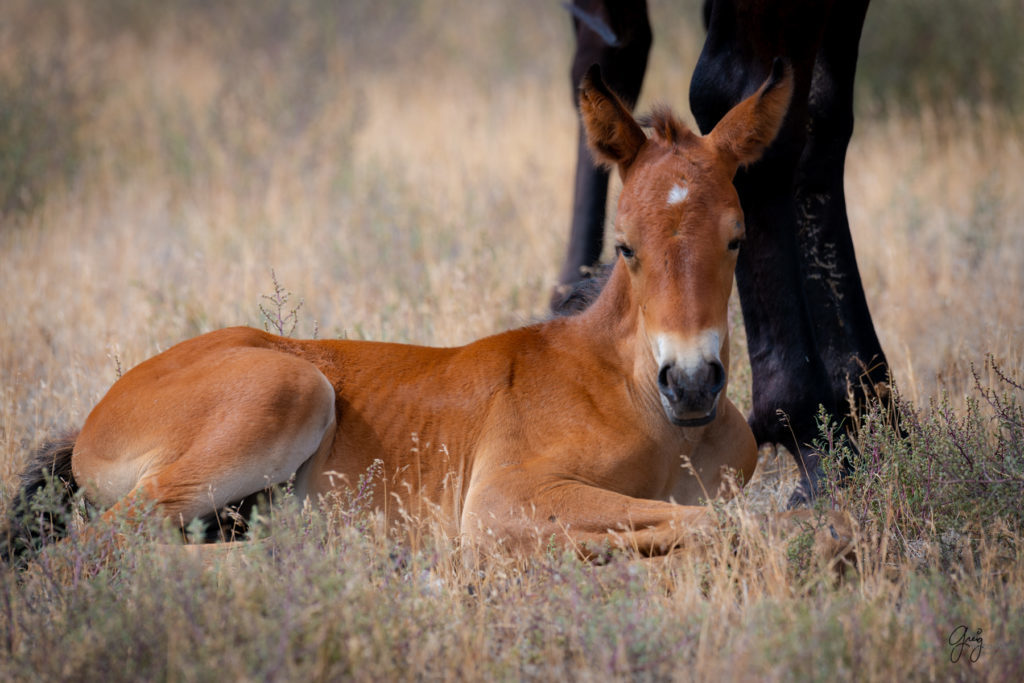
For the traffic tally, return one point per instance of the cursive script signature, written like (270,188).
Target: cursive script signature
(962,639)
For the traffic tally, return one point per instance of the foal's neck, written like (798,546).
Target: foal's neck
(612,328)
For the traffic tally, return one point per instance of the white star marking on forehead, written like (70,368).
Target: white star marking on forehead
(678,194)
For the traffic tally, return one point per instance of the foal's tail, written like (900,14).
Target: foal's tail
(41,509)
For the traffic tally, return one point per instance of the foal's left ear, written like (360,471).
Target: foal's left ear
(746,131)
(613,135)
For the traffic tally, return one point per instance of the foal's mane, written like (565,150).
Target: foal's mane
(665,126)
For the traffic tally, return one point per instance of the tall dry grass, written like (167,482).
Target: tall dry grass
(405,169)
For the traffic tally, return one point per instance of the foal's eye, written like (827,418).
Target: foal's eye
(734,244)
(626,252)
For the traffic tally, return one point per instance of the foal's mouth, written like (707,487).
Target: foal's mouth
(689,418)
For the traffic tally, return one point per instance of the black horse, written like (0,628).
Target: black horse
(809,331)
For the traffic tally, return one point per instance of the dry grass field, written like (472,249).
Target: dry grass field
(404,170)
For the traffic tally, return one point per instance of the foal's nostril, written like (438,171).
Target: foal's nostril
(717,379)
(666,384)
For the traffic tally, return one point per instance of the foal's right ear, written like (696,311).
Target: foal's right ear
(613,135)
(746,131)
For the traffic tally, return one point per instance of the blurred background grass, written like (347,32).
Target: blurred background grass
(277,62)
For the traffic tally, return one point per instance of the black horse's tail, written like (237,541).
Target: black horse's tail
(40,511)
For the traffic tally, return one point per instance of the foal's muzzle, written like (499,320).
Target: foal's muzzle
(690,395)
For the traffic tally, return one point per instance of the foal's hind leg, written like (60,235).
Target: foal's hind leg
(193,435)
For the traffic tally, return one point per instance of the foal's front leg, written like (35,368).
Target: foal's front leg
(526,516)
(590,519)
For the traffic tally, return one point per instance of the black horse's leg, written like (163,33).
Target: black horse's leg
(855,364)
(793,350)
(846,335)
(616,35)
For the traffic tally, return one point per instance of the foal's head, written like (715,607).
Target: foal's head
(679,228)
